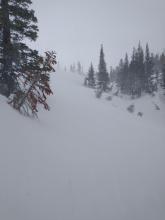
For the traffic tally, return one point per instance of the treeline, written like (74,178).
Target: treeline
(24,74)
(76,68)
(143,73)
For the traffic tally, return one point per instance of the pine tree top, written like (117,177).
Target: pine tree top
(23,22)
(102,64)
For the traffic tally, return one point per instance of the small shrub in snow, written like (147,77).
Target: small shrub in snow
(140,114)
(157,107)
(131,108)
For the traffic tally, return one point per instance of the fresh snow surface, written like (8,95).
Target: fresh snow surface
(86,159)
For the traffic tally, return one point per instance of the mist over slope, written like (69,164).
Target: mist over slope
(86,159)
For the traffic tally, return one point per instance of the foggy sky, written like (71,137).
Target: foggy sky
(76,28)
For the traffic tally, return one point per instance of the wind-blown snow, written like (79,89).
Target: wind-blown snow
(86,159)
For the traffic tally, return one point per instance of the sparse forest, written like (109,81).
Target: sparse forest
(142,74)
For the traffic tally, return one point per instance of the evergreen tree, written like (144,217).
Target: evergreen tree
(74,68)
(149,71)
(124,74)
(132,75)
(71,68)
(102,75)
(18,23)
(140,71)
(91,77)
(136,75)
(79,68)
(147,67)
(162,60)
(24,74)
(120,74)
(163,76)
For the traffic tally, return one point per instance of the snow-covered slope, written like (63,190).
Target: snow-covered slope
(86,159)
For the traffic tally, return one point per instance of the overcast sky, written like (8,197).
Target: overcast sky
(76,28)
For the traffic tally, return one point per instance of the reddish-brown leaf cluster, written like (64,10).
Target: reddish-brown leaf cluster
(33,85)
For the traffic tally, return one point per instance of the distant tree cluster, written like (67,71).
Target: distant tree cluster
(24,74)
(144,73)
(99,80)
(76,68)
(141,74)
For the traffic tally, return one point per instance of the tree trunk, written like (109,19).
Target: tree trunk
(7,76)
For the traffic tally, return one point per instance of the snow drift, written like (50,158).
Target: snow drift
(86,159)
